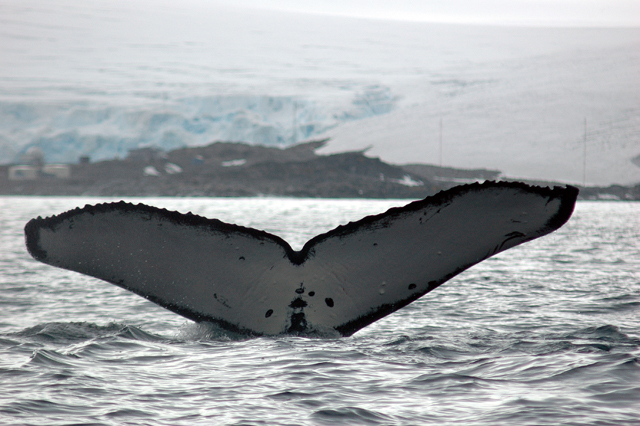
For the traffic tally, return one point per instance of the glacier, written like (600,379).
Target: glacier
(96,79)
(67,130)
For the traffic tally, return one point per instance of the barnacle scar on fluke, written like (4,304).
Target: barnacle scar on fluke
(189,264)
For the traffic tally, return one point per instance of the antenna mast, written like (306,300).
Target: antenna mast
(584,156)
(440,142)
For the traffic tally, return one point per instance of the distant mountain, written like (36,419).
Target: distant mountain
(99,80)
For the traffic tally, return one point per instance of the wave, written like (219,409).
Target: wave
(350,415)
(485,344)
(74,332)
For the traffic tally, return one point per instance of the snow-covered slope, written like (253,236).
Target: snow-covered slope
(525,117)
(98,79)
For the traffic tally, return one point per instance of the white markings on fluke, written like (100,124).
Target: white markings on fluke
(252,282)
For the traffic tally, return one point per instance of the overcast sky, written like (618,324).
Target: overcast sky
(505,12)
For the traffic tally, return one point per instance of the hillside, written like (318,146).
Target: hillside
(225,169)
(231,169)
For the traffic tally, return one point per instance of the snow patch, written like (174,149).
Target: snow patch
(234,163)
(172,169)
(407,181)
(151,171)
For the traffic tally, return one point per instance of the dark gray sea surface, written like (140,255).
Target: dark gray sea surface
(547,333)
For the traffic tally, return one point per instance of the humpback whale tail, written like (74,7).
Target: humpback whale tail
(253,282)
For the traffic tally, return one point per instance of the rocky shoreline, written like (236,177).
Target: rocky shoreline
(225,169)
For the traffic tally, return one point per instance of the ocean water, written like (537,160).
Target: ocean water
(547,333)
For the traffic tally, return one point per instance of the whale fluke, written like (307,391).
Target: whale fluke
(253,282)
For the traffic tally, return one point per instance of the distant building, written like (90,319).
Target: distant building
(58,171)
(23,172)
(33,167)
(27,172)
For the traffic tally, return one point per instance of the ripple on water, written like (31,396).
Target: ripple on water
(68,332)
(51,358)
(348,415)
(41,407)
(538,335)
